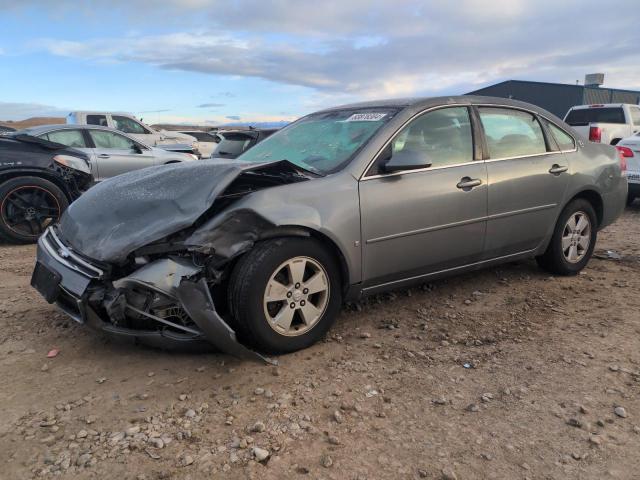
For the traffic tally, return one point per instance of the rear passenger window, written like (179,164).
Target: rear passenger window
(97,120)
(70,138)
(511,133)
(562,138)
(442,136)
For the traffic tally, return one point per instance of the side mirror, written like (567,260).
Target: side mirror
(407,160)
(136,148)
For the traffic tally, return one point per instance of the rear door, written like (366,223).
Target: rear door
(116,154)
(528,177)
(75,138)
(418,222)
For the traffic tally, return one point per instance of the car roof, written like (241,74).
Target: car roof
(431,101)
(600,105)
(417,104)
(40,129)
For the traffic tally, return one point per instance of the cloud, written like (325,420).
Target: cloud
(210,105)
(156,111)
(22,111)
(233,117)
(375,48)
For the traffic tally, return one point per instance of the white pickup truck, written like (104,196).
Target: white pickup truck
(605,123)
(167,140)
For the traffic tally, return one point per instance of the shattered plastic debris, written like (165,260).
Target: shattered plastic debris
(608,255)
(53,353)
(468,365)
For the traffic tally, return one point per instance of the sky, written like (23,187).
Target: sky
(212,61)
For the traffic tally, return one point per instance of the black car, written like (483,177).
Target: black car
(38,181)
(233,143)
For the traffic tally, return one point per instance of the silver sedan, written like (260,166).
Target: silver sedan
(111,152)
(261,252)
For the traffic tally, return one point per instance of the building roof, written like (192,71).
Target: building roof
(566,85)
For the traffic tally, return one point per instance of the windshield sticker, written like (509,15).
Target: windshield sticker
(366,117)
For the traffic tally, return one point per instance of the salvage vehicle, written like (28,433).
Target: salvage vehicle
(605,123)
(259,253)
(234,143)
(127,123)
(38,181)
(207,141)
(110,152)
(630,150)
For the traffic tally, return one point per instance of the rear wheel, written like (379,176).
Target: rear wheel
(285,294)
(573,241)
(28,205)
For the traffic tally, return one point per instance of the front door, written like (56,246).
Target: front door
(116,154)
(422,221)
(528,176)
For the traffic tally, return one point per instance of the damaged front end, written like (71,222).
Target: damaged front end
(162,293)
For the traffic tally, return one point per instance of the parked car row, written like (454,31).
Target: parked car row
(108,144)
(614,124)
(256,255)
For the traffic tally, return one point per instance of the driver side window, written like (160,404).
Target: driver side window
(105,139)
(441,137)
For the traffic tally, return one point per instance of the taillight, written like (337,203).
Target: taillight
(595,134)
(624,152)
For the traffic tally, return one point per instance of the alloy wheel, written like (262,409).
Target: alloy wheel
(296,296)
(576,237)
(28,210)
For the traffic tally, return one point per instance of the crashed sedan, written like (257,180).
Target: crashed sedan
(259,253)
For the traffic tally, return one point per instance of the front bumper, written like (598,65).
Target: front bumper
(78,288)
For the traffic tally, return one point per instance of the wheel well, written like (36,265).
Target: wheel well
(296,231)
(615,141)
(51,178)
(595,200)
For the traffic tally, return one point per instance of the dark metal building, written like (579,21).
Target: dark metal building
(557,97)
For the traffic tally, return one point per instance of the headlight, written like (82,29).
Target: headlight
(72,162)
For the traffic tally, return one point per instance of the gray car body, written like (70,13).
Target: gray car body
(109,162)
(385,241)
(388,230)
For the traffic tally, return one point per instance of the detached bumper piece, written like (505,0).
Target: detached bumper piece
(128,307)
(197,302)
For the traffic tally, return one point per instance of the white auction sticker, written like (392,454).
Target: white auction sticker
(366,117)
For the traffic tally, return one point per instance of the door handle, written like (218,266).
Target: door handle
(467,183)
(558,169)
(103,155)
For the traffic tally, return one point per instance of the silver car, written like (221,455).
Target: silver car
(259,253)
(111,152)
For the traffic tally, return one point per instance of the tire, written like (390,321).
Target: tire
(555,259)
(266,266)
(36,200)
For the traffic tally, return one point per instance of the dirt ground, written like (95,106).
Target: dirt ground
(508,373)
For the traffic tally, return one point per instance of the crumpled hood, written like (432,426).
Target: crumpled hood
(124,213)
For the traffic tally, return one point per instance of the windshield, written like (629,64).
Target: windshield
(585,116)
(322,142)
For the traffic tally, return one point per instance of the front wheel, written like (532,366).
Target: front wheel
(285,294)
(573,241)
(28,205)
